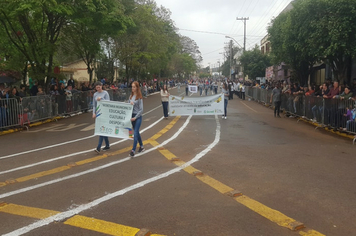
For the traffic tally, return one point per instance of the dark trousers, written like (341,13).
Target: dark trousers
(101,138)
(242,95)
(136,128)
(165,109)
(186,91)
(225,106)
(277,107)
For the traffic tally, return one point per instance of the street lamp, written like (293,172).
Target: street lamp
(228,37)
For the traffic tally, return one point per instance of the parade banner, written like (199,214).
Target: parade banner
(113,119)
(193,88)
(186,106)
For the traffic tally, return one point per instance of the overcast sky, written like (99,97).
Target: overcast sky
(220,17)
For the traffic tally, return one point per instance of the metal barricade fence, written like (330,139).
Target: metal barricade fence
(263,96)
(314,109)
(10,113)
(269,94)
(339,113)
(335,113)
(36,108)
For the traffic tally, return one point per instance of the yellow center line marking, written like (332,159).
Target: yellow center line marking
(78,221)
(90,160)
(101,226)
(31,212)
(249,107)
(269,213)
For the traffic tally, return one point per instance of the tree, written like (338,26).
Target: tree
(334,34)
(94,24)
(34,27)
(183,65)
(254,63)
(148,45)
(190,46)
(314,31)
(11,60)
(289,40)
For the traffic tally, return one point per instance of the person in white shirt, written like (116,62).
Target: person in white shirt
(98,96)
(165,99)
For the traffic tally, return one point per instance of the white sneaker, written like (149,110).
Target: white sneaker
(225,117)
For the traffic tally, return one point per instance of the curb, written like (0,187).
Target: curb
(10,131)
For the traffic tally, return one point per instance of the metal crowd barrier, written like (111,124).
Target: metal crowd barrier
(334,113)
(9,112)
(17,112)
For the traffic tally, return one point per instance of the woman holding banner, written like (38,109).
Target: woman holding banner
(136,120)
(98,96)
(165,99)
(225,91)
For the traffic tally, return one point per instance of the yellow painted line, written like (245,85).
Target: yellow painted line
(267,212)
(249,107)
(101,226)
(273,215)
(31,212)
(78,221)
(311,233)
(167,154)
(222,188)
(93,159)
(43,173)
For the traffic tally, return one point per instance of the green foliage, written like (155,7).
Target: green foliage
(255,63)
(151,45)
(137,33)
(315,30)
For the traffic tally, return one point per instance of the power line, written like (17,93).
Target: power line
(212,51)
(264,15)
(238,15)
(278,8)
(210,32)
(246,12)
(275,11)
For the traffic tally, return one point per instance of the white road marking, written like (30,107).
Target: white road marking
(65,215)
(44,129)
(148,119)
(47,147)
(59,144)
(90,127)
(73,154)
(66,128)
(97,168)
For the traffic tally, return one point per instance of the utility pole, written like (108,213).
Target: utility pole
(244,19)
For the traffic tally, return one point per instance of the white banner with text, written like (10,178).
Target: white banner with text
(113,119)
(186,106)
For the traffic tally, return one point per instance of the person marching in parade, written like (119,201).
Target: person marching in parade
(99,95)
(225,91)
(136,120)
(165,99)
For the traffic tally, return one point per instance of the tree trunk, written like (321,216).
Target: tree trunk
(24,73)
(49,70)
(127,74)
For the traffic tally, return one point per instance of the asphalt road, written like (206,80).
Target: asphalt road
(251,174)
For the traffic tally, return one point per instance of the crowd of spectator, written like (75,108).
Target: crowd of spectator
(331,103)
(27,103)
